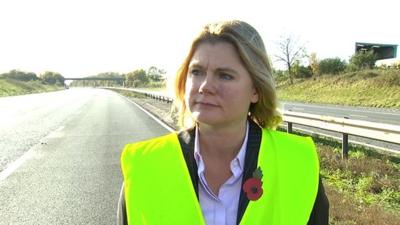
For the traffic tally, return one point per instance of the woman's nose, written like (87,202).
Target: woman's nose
(207,85)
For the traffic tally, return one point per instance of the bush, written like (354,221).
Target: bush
(280,75)
(20,75)
(362,60)
(332,66)
(52,78)
(303,72)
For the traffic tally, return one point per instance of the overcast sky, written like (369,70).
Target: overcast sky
(85,37)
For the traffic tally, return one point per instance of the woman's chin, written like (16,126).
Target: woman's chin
(207,119)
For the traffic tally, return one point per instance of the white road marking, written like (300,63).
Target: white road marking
(13,166)
(359,116)
(16,164)
(297,109)
(56,134)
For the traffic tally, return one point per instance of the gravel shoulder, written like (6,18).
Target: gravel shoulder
(160,109)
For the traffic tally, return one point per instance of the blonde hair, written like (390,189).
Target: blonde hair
(251,50)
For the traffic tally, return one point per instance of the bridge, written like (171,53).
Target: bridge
(120,80)
(95,78)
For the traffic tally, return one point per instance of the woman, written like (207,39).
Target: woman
(228,165)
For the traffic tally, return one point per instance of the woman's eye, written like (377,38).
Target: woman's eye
(225,76)
(195,72)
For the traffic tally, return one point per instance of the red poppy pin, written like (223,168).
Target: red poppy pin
(253,186)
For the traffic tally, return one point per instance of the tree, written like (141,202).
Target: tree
(332,66)
(300,71)
(110,75)
(290,51)
(129,78)
(362,60)
(52,78)
(20,75)
(314,64)
(155,74)
(137,78)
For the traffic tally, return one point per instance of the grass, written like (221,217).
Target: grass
(10,87)
(345,210)
(369,88)
(364,189)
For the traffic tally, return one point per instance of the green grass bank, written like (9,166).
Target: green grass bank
(364,189)
(368,88)
(11,87)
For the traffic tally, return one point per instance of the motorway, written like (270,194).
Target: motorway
(60,155)
(388,116)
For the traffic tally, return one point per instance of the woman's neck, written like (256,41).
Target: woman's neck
(222,142)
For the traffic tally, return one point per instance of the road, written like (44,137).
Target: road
(389,116)
(68,145)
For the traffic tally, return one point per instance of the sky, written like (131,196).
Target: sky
(79,38)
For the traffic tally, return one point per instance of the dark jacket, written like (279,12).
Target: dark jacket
(319,214)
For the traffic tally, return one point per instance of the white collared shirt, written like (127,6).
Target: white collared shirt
(221,209)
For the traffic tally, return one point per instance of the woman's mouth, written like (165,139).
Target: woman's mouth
(207,104)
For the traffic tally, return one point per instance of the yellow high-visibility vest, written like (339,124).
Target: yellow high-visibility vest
(159,190)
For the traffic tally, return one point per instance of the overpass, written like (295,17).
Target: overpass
(95,78)
(120,80)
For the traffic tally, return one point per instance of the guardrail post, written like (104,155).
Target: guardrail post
(290,127)
(345,146)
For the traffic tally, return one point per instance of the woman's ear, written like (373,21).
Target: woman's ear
(254,96)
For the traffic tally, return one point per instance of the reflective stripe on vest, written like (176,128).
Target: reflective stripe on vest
(159,190)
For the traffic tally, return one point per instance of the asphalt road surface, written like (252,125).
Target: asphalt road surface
(388,116)
(60,155)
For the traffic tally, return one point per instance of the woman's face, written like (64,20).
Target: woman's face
(219,89)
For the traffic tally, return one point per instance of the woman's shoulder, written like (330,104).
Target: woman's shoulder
(291,145)
(287,138)
(150,143)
